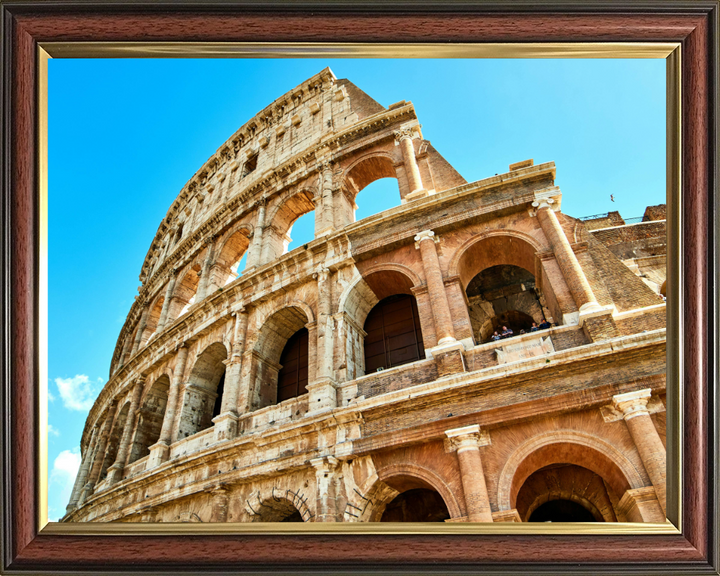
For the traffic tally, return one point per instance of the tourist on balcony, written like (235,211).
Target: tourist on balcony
(534,327)
(544,325)
(506,332)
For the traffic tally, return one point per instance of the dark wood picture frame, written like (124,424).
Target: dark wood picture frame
(26,25)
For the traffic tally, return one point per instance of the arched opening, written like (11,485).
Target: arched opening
(503,296)
(561,510)
(152,320)
(301,231)
(276,236)
(150,419)
(113,442)
(416,505)
(378,196)
(276,510)
(565,493)
(393,334)
(178,235)
(203,392)
(293,374)
(362,175)
(283,337)
(184,293)
(229,262)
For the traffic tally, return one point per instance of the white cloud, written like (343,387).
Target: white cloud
(51,398)
(78,392)
(62,476)
(52,430)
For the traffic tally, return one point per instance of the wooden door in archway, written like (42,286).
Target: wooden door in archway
(393,331)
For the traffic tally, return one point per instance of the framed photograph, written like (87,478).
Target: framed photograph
(454,372)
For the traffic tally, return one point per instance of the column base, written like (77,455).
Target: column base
(115,473)
(415,194)
(641,505)
(506,516)
(322,396)
(159,453)
(225,426)
(448,357)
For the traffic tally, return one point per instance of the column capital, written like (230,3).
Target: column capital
(322,274)
(324,465)
(633,404)
(403,134)
(425,235)
(467,438)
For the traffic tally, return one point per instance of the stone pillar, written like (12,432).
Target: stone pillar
(140,330)
(467,441)
(425,242)
(219,496)
(125,354)
(115,472)
(205,272)
(326,193)
(404,140)
(82,472)
(633,406)
(322,394)
(159,452)
(565,257)
(96,468)
(326,493)
(226,422)
(253,259)
(166,303)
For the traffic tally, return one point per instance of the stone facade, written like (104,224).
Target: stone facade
(562,422)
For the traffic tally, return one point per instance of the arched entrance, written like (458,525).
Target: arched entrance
(150,419)
(282,338)
(565,493)
(203,393)
(393,332)
(416,505)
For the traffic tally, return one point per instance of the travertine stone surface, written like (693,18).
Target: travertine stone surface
(188,427)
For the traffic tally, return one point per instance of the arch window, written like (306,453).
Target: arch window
(280,368)
(393,332)
(113,443)
(503,296)
(565,493)
(293,375)
(416,505)
(203,393)
(150,419)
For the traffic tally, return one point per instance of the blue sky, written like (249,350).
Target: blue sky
(126,135)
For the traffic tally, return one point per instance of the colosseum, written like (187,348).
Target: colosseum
(471,355)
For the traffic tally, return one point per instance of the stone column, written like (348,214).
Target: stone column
(160,451)
(404,139)
(326,482)
(633,406)
(565,257)
(226,421)
(322,394)
(254,255)
(125,354)
(205,272)
(326,193)
(141,329)
(115,472)
(425,242)
(166,302)
(96,468)
(219,496)
(467,441)
(82,472)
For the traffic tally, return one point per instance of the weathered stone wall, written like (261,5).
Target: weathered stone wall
(470,421)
